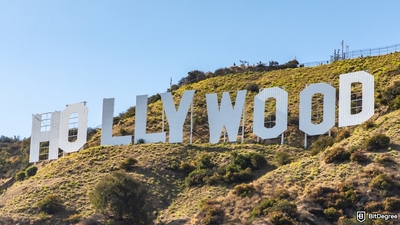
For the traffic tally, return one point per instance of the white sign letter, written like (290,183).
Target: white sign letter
(176,118)
(50,134)
(367,81)
(328,120)
(225,116)
(141,121)
(107,123)
(281,97)
(65,144)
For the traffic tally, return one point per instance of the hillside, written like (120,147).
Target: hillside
(326,183)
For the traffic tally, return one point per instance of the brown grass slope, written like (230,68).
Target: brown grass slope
(74,176)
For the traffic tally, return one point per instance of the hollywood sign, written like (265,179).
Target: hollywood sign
(219,116)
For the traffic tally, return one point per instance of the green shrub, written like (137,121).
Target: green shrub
(342,134)
(50,204)
(210,213)
(282,158)
(332,213)
(20,176)
(243,189)
(246,174)
(278,218)
(197,176)
(391,204)
(272,205)
(252,88)
(30,171)
(187,167)
(141,141)
(284,206)
(128,163)
(257,160)
(384,159)
(382,181)
(377,142)
(391,96)
(337,154)
(121,195)
(205,162)
(358,156)
(321,144)
(262,208)
(395,104)
(123,132)
(368,124)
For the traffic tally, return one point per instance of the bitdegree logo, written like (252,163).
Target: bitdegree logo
(377,216)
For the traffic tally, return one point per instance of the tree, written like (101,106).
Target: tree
(121,195)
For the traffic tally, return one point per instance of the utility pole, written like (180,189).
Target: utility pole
(342,49)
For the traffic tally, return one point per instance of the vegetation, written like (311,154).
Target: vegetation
(376,142)
(322,143)
(30,171)
(239,169)
(128,163)
(337,154)
(50,204)
(122,196)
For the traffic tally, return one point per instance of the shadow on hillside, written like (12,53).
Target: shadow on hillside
(395,147)
(178,222)
(264,170)
(161,187)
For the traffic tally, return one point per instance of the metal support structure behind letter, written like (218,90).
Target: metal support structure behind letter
(244,110)
(191,122)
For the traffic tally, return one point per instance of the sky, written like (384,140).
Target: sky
(54,53)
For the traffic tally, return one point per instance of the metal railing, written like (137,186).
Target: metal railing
(356,54)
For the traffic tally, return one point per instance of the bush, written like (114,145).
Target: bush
(282,158)
(243,189)
(377,142)
(123,132)
(320,144)
(128,163)
(342,134)
(384,159)
(391,204)
(253,88)
(368,124)
(141,141)
(358,156)
(246,175)
(50,204)
(337,154)
(332,213)
(187,167)
(382,181)
(31,171)
(197,177)
(278,218)
(122,195)
(272,205)
(20,176)
(210,214)
(395,104)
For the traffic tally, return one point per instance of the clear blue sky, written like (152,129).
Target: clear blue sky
(54,53)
